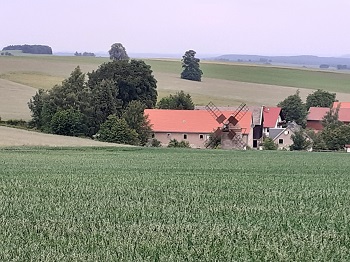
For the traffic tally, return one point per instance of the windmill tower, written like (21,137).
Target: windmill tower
(230,133)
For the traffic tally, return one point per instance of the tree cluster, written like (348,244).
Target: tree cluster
(179,101)
(79,108)
(294,109)
(6,53)
(84,54)
(30,49)
(335,134)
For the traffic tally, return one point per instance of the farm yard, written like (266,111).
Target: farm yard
(139,204)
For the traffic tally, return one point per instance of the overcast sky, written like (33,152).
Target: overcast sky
(265,27)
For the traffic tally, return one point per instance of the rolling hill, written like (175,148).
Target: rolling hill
(223,83)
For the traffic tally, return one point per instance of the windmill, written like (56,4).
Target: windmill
(230,133)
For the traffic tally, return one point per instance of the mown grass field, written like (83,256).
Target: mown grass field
(226,84)
(133,204)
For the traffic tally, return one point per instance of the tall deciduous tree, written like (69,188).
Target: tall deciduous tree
(118,52)
(133,81)
(190,65)
(294,109)
(320,98)
(179,101)
(136,120)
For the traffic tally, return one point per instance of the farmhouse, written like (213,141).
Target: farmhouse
(282,136)
(272,118)
(193,126)
(316,114)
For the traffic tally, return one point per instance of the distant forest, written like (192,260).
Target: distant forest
(30,49)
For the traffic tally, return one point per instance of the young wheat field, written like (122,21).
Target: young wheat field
(139,204)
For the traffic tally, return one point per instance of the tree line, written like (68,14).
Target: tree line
(30,49)
(113,95)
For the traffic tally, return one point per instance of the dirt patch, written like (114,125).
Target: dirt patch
(17,137)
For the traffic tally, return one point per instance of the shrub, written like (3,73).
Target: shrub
(116,130)
(268,144)
(182,144)
(155,143)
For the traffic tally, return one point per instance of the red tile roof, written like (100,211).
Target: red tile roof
(271,115)
(190,121)
(342,104)
(317,113)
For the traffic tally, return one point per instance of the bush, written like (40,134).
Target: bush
(268,144)
(182,144)
(15,122)
(116,130)
(155,143)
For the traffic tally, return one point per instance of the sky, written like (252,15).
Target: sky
(260,27)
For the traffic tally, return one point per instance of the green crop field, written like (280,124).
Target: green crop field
(134,204)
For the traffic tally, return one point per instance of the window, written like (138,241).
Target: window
(286,132)
(201,137)
(185,136)
(280,141)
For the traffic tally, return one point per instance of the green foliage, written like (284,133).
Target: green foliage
(294,109)
(118,52)
(109,91)
(320,98)
(116,130)
(31,49)
(190,65)
(331,119)
(133,81)
(68,122)
(335,134)
(35,105)
(179,101)
(300,141)
(269,144)
(182,144)
(155,143)
(136,120)
(15,122)
(336,138)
